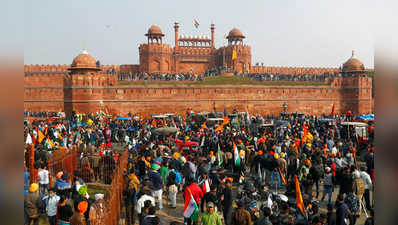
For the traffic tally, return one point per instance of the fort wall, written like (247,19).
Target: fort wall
(346,93)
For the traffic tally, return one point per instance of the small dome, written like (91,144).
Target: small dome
(213,24)
(200,37)
(176,22)
(190,36)
(208,37)
(154,30)
(353,64)
(84,60)
(186,36)
(195,37)
(181,36)
(235,33)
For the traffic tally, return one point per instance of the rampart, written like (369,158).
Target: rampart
(83,94)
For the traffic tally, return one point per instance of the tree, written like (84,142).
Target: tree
(372,75)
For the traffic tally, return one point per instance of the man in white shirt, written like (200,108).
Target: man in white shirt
(366,179)
(43,180)
(51,208)
(143,198)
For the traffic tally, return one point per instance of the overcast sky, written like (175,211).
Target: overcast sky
(288,33)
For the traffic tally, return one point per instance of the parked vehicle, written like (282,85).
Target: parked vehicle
(253,208)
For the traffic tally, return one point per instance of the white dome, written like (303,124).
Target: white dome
(200,37)
(195,37)
(186,36)
(181,36)
(190,36)
(208,37)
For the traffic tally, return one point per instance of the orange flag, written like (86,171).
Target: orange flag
(283,178)
(41,136)
(204,125)
(299,198)
(226,121)
(153,123)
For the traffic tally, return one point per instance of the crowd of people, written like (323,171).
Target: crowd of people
(157,169)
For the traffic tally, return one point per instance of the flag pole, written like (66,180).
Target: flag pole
(223,54)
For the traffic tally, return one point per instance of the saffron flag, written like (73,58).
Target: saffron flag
(219,157)
(234,55)
(153,123)
(225,36)
(236,155)
(226,121)
(283,177)
(299,198)
(196,23)
(204,125)
(191,209)
(50,142)
(333,109)
(41,136)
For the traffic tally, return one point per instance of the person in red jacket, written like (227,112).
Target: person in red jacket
(204,183)
(196,192)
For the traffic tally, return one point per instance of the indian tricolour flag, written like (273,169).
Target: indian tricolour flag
(191,70)
(191,209)
(196,23)
(101,103)
(102,113)
(97,113)
(236,156)
(219,156)
(247,114)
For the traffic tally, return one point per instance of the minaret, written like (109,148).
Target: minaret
(213,26)
(176,34)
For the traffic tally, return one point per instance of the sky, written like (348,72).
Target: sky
(289,33)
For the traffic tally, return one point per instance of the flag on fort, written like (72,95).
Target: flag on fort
(101,103)
(244,67)
(234,56)
(191,209)
(196,23)
(236,155)
(191,70)
(224,36)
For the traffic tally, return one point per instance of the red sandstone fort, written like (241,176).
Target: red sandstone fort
(81,84)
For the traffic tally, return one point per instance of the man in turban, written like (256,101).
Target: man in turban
(33,205)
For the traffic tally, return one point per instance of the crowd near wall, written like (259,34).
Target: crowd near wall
(83,93)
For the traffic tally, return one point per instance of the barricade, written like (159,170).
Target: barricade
(65,162)
(97,167)
(111,212)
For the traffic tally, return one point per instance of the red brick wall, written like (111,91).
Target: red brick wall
(347,93)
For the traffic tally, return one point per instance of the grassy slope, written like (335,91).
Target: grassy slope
(225,81)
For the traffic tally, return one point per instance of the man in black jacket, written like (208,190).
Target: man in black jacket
(227,198)
(145,210)
(129,203)
(82,191)
(171,184)
(141,166)
(345,181)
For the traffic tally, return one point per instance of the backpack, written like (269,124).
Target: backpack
(178,176)
(316,172)
(185,170)
(360,186)
(44,200)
